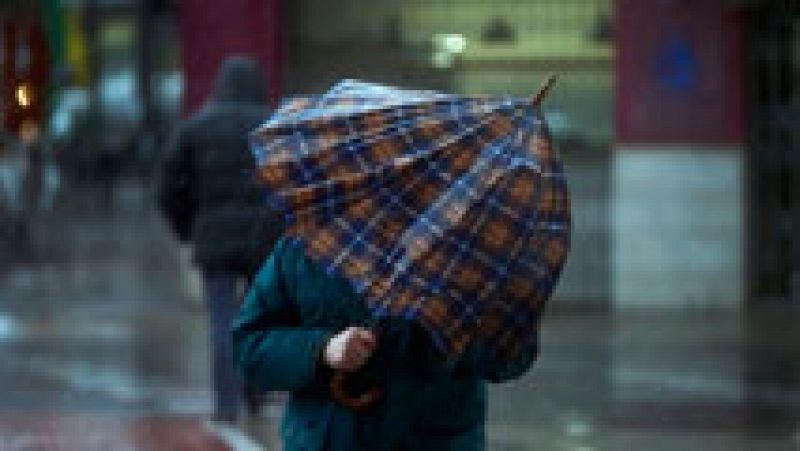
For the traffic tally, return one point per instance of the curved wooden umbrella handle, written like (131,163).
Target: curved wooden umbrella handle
(355,402)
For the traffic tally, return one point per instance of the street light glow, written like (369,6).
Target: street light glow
(23,95)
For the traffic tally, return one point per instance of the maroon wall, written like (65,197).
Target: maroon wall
(214,29)
(23,33)
(679,74)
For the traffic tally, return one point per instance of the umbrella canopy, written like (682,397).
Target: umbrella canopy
(449,211)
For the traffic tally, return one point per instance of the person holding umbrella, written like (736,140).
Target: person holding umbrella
(426,232)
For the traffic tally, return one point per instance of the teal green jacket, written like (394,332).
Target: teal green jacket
(294,307)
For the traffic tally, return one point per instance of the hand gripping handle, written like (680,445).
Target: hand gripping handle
(355,402)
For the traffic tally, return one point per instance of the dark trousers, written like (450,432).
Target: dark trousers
(223,306)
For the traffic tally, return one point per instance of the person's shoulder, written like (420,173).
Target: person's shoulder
(232,110)
(286,251)
(199,119)
(290,250)
(284,263)
(187,129)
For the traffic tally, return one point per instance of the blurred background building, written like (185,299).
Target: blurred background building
(676,322)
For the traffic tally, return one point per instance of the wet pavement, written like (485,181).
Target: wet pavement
(673,381)
(103,345)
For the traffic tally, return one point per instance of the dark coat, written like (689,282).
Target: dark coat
(206,188)
(294,307)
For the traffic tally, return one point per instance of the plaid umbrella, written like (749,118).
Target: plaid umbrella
(449,211)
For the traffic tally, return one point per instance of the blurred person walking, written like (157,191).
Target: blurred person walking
(208,197)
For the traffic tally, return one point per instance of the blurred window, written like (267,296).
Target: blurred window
(119,96)
(468,47)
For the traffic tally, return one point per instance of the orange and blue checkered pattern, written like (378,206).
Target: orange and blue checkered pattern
(449,211)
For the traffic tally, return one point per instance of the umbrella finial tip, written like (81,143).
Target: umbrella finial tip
(544,88)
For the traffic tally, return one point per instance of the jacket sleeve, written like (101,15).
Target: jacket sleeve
(271,348)
(176,188)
